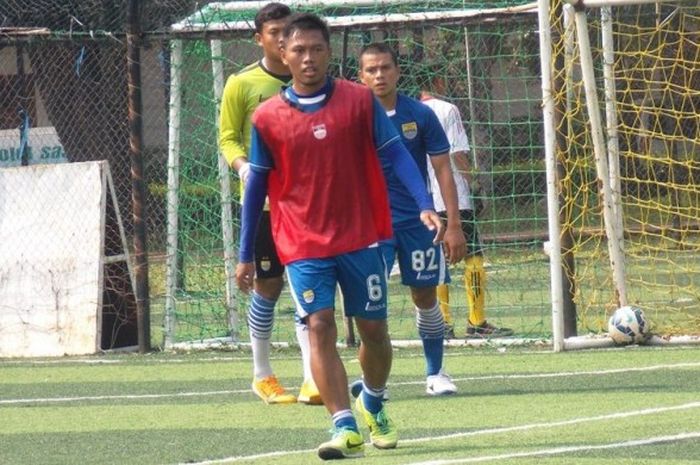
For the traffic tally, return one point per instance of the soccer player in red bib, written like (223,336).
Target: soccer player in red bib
(317,151)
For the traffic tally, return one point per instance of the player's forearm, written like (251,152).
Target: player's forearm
(232,149)
(407,171)
(255,193)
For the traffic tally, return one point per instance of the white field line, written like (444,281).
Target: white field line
(509,429)
(565,374)
(400,383)
(565,450)
(143,361)
(292,356)
(122,396)
(574,421)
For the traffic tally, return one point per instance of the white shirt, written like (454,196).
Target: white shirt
(451,121)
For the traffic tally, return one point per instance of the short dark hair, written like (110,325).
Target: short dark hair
(306,22)
(270,12)
(379,47)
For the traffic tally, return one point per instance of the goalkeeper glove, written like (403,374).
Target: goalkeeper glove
(244,172)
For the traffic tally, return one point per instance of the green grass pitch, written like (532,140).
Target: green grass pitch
(635,405)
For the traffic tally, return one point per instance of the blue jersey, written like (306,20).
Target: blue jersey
(422,134)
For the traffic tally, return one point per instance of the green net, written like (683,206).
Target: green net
(497,92)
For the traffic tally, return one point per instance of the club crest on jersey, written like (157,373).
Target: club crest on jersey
(265,265)
(320,131)
(308,296)
(409,130)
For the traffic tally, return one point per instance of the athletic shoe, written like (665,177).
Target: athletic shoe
(440,385)
(486,329)
(346,443)
(356,390)
(271,391)
(382,431)
(308,393)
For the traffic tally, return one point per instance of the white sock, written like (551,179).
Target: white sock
(303,339)
(261,357)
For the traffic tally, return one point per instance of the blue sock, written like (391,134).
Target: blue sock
(344,419)
(372,398)
(431,328)
(433,349)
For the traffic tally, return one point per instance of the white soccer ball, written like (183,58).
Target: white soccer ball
(628,325)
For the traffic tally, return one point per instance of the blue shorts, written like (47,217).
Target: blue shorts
(362,278)
(421,262)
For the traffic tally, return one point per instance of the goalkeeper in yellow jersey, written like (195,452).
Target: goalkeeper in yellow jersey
(243,93)
(448,114)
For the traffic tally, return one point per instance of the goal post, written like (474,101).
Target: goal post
(217,67)
(634,202)
(608,197)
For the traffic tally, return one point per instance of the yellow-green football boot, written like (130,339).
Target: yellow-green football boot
(382,431)
(346,443)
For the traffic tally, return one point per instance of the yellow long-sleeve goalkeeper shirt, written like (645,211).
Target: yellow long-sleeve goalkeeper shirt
(243,93)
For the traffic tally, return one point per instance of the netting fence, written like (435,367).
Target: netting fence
(69,81)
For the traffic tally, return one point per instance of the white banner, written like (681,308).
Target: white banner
(43,146)
(51,239)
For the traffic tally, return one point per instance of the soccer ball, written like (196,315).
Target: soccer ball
(628,325)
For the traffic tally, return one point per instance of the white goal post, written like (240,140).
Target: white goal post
(606,156)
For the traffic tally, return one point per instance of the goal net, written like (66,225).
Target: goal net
(645,84)
(486,53)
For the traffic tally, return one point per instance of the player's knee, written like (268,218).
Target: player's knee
(322,329)
(269,288)
(373,332)
(424,297)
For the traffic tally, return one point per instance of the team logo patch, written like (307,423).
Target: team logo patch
(265,265)
(320,131)
(409,130)
(308,296)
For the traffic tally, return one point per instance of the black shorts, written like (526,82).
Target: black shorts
(471,232)
(267,262)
